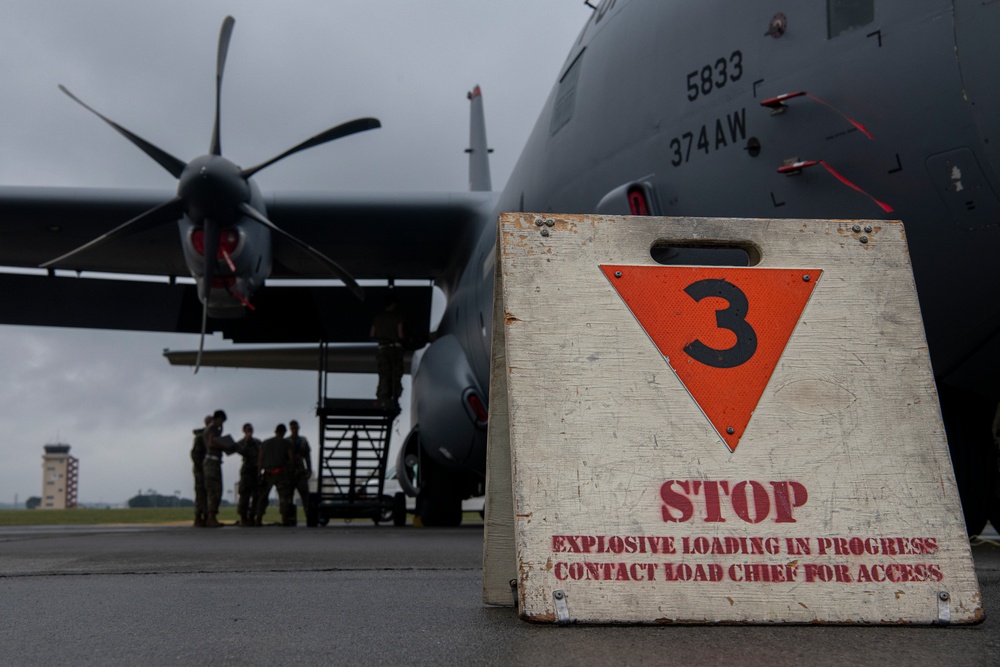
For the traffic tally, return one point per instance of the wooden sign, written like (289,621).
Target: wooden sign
(674,444)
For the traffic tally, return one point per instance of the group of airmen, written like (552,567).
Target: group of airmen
(280,462)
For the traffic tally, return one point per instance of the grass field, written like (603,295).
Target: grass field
(159,515)
(81,516)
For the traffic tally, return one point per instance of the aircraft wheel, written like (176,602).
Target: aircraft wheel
(408,463)
(439,502)
(994,501)
(385,515)
(399,509)
(440,505)
(312,511)
(968,424)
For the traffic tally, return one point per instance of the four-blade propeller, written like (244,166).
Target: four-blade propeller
(214,193)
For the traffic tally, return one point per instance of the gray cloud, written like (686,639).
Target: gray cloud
(293,69)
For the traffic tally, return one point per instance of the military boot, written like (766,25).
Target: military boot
(212,522)
(199,520)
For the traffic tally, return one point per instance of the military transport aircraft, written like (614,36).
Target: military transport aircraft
(848,109)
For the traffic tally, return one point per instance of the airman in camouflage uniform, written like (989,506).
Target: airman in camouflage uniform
(301,470)
(275,464)
(249,449)
(388,330)
(198,459)
(213,467)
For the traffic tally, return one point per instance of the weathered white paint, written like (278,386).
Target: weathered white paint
(598,423)
(498,533)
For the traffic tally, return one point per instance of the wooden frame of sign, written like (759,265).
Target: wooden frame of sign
(678,444)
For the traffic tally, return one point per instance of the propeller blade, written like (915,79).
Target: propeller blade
(335,268)
(164,159)
(201,342)
(342,130)
(211,250)
(169,211)
(224,35)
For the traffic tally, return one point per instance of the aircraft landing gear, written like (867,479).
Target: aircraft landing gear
(399,509)
(438,491)
(994,500)
(968,421)
(439,505)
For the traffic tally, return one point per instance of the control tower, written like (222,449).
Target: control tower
(59,478)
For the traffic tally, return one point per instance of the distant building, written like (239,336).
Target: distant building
(59,478)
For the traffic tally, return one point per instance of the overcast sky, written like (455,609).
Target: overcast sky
(293,70)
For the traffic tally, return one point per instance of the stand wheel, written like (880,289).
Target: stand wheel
(399,509)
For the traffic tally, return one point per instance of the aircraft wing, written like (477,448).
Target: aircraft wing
(39,224)
(284,314)
(357,358)
(377,235)
(402,236)
(399,236)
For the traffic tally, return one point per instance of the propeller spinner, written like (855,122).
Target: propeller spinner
(217,199)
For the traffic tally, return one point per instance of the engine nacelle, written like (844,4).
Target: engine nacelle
(450,407)
(242,263)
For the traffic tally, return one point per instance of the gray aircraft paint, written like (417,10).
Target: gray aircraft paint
(669,95)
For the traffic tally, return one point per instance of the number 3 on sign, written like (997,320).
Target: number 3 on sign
(732,318)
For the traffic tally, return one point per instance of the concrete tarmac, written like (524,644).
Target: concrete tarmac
(356,594)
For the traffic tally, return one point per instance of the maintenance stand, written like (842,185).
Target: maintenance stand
(353,450)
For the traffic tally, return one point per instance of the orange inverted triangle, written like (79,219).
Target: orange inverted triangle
(722,329)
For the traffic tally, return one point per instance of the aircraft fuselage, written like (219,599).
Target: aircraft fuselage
(899,101)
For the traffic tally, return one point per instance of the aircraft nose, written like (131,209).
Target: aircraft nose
(976,47)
